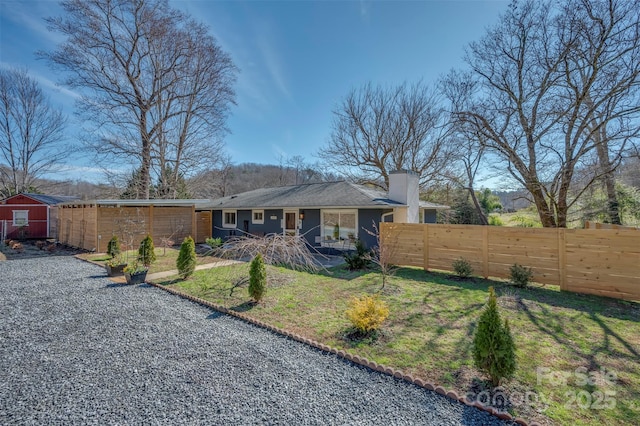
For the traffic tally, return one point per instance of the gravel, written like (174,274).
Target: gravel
(76,348)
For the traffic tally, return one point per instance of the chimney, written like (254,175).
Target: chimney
(404,188)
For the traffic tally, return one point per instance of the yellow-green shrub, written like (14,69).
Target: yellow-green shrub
(367,313)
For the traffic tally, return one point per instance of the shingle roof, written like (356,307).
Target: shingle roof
(324,194)
(428,205)
(50,199)
(200,202)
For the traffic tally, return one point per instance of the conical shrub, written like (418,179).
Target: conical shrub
(493,346)
(186,261)
(113,247)
(147,251)
(257,278)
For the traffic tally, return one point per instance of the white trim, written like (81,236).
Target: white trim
(26,219)
(296,214)
(253,217)
(224,216)
(310,207)
(41,205)
(384,215)
(343,235)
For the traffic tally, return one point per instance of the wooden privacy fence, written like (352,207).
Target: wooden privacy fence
(605,262)
(597,225)
(91,226)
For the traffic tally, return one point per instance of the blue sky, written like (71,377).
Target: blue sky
(298,59)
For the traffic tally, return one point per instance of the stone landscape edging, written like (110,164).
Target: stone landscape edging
(364,362)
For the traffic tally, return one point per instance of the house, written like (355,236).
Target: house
(30,216)
(327,214)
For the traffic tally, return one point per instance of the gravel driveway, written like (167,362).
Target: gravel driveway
(78,349)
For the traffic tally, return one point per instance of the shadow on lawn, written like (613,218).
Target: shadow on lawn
(538,303)
(244,307)
(551,323)
(341,272)
(549,295)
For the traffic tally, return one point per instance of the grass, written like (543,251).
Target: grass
(165,258)
(430,329)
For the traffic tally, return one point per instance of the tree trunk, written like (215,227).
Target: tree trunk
(544,210)
(145,166)
(608,178)
(476,203)
(600,140)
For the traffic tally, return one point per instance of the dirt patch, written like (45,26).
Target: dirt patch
(12,249)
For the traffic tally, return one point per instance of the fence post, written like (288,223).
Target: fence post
(151,221)
(562,253)
(485,251)
(425,247)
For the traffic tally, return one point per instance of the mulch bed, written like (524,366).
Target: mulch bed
(12,249)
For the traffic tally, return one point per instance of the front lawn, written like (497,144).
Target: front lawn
(578,356)
(165,258)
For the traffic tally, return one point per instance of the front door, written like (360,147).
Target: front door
(290,222)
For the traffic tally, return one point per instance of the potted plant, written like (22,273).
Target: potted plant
(115,266)
(336,232)
(135,273)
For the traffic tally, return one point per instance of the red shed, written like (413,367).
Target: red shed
(30,216)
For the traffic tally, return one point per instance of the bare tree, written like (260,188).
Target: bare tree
(470,156)
(547,82)
(155,83)
(214,182)
(602,72)
(465,141)
(383,253)
(377,130)
(287,250)
(31,132)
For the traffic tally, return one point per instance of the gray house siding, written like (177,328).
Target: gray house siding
(271,226)
(366,218)
(216,224)
(244,223)
(311,226)
(429,216)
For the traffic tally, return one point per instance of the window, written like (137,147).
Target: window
(258,216)
(20,217)
(339,224)
(229,219)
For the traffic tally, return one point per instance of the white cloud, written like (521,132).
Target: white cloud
(31,14)
(77,172)
(53,86)
(278,152)
(364,10)
(273,64)
(46,83)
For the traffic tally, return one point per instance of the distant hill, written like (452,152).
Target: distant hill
(514,200)
(232,179)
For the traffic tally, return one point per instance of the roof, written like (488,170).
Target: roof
(429,205)
(51,200)
(159,202)
(311,195)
